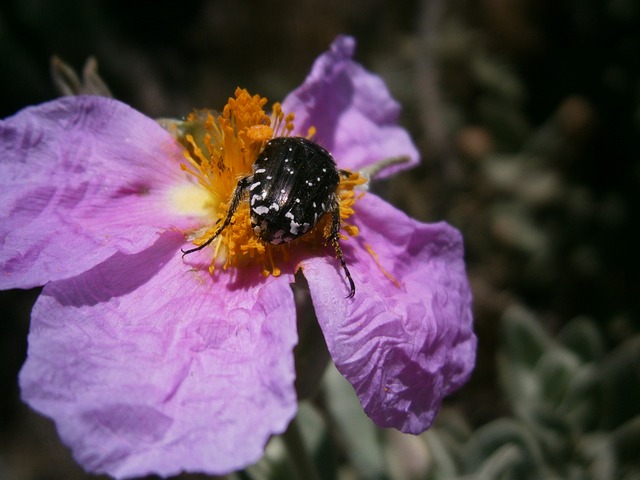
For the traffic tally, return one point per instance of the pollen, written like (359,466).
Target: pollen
(220,150)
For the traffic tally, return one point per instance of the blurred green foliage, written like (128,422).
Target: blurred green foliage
(575,409)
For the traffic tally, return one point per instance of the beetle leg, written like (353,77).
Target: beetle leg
(335,232)
(237,196)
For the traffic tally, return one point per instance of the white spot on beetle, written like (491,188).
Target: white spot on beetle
(294,227)
(277,238)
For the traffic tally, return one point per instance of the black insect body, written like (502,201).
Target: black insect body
(292,186)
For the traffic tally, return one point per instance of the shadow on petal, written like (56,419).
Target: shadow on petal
(118,275)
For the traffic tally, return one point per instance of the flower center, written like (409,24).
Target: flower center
(221,150)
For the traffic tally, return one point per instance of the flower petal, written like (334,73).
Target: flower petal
(149,367)
(81,178)
(352,110)
(403,348)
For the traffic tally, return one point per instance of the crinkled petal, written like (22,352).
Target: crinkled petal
(81,178)
(149,367)
(403,348)
(354,114)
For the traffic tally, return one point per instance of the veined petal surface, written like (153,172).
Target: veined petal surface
(355,117)
(80,179)
(149,367)
(402,346)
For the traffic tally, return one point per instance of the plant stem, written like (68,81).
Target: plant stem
(298,453)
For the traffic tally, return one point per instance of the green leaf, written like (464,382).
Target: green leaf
(581,336)
(524,340)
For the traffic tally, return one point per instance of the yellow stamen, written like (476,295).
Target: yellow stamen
(382,269)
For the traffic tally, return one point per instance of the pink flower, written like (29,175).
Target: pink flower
(151,363)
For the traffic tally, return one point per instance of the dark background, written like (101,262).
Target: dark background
(526,112)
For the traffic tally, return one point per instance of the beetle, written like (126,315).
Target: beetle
(293,184)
